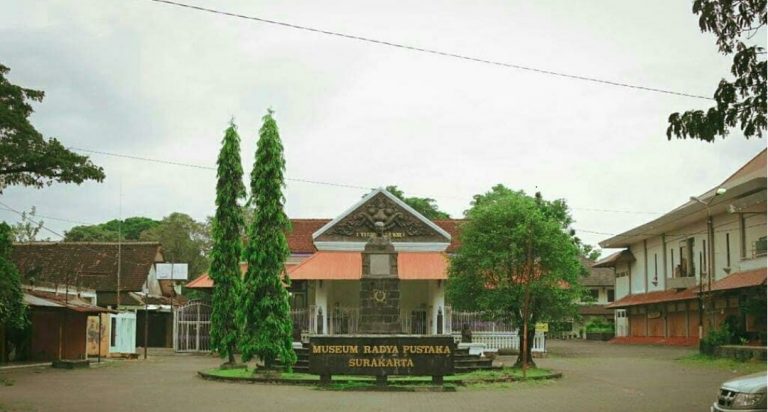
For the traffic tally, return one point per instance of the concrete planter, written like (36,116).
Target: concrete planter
(604,336)
(742,353)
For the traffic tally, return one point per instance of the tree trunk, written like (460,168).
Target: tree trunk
(231,354)
(519,362)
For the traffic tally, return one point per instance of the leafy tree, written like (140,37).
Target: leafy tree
(26,157)
(12,312)
(28,229)
(90,233)
(227,247)
(130,228)
(741,103)
(517,262)
(265,309)
(183,239)
(557,209)
(424,205)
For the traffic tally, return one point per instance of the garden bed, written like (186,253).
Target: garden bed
(350,382)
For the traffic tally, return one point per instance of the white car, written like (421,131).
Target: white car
(743,394)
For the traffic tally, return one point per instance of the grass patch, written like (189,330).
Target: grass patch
(732,365)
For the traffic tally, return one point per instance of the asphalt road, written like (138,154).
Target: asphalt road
(597,377)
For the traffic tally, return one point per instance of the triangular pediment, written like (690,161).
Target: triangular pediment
(400,222)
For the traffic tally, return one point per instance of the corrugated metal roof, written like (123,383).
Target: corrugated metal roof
(51,300)
(32,300)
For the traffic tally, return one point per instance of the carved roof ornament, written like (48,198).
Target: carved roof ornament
(381,215)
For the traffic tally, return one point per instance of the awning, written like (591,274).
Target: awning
(661,296)
(740,280)
(205,282)
(328,265)
(51,300)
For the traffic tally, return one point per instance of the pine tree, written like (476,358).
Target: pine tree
(264,307)
(227,245)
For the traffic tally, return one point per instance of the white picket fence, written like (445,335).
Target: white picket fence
(505,340)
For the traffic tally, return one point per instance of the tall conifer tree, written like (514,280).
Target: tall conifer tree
(227,245)
(264,308)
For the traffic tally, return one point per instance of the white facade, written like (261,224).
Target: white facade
(673,251)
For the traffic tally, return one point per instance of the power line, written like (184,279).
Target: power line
(431,51)
(52,218)
(673,235)
(31,220)
(637,212)
(195,166)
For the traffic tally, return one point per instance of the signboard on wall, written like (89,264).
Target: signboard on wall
(171,271)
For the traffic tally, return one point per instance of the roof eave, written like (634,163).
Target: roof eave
(681,216)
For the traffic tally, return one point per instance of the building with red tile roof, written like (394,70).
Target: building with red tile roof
(326,262)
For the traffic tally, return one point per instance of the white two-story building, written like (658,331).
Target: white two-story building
(697,266)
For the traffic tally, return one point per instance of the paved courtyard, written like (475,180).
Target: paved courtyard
(597,377)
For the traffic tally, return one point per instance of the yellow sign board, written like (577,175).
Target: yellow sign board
(542,327)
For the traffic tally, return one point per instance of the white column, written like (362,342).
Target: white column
(437,300)
(321,301)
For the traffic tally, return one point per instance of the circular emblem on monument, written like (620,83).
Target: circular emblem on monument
(379,296)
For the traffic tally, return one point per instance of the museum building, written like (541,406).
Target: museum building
(329,261)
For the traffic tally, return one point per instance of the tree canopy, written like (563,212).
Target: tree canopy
(131,229)
(184,240)
(424,205)
(267,330)
(557,209)
(516,249)
(742,102)
(226,232)
(12,312)
(26,157)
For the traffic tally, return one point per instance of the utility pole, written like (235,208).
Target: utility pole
(119,243)
(710,250)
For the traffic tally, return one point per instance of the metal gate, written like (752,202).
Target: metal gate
(122,332)
(192,327)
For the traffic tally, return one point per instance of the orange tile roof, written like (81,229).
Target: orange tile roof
(661,296)
(205,282)
(738,280)
(422,265)
(201,282)
(329,266)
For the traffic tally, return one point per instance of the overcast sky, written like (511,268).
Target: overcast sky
(145,79)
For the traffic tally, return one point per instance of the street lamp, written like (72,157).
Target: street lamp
(711,253)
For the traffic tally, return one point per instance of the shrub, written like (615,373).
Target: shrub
(599,325)
(715,338)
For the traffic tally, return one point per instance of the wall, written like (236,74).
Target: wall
(725,224)
(622,285)
(54,330)
(344,292)
(92,342)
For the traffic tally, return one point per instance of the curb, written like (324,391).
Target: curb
(394,384)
